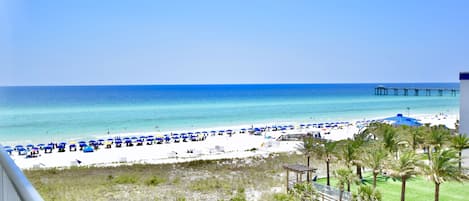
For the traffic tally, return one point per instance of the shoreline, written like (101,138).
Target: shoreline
(213,148)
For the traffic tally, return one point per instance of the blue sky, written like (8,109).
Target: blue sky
(91,42)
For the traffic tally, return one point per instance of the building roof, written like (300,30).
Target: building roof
(299,168)
(464,76)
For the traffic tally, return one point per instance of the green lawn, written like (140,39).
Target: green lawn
(417,189)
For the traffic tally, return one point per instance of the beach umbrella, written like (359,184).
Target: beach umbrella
(48,149)
(29,146)
(9,150)
(18,147)
(41,146)
(21,151)
(399,120)
(400,117)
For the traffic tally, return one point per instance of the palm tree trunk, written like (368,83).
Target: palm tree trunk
(327,170)
(403,189)
(437,191)
(359,172)
(348,186)
(460,158)
(375,174)
(307,173)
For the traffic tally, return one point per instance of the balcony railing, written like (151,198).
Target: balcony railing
(13,183)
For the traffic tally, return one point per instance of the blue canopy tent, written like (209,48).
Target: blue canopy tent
(400,120)
(88,149)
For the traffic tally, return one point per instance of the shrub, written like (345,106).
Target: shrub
(154,181)
(125,179)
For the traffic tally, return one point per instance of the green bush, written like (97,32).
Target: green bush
(154,181)
(125,179)
(240,195)
(283,197)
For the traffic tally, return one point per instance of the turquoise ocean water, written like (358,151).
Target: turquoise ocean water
(42,114)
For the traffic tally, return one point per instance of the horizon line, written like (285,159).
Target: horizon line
(201,84)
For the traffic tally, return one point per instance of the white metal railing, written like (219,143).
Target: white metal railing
(13,183)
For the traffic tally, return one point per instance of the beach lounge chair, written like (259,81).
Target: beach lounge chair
(108,144)
(48,149)
(128,142)
(194,137)
(118,142)
(176,138)
(150,140)
(82,144)
(139,142)
(184,137)
(72,147)
(61,147)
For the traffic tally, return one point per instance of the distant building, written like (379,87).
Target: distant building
(464,103)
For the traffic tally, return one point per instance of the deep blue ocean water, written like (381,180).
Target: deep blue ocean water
(31,114)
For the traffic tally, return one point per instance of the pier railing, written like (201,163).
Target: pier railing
(407,91)
(13,183)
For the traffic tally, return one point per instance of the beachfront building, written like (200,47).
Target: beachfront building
(464,103)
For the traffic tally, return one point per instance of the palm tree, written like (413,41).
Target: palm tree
(437,137)
(351,154)
(344,176)
(366,193)
(307,148)
(375,158)
(443,166)
(404,168)
(390,140)
(460,142)
(415,136)
(326,152)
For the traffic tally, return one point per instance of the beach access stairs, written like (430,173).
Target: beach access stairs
(14,186)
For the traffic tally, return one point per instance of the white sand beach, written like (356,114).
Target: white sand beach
(214,147)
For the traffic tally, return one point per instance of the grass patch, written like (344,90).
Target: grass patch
(154,181)
(417,189)
(196,180)
(211,184)
(125,179)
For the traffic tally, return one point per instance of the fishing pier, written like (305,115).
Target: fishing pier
(409,91)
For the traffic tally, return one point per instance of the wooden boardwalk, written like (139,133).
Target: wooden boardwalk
(409,91)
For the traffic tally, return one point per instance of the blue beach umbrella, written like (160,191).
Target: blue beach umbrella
(8,150)
(399,120)
(41,146)
(29,146)
(18,147)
